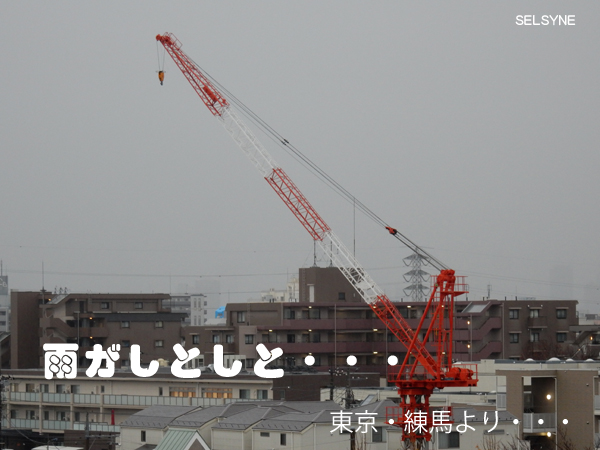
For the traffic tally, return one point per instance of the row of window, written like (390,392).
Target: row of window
(534,336)
(58,415)
(45,388)
(136,305)
(561,313)
(157,324)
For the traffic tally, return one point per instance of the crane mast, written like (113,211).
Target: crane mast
(420,371)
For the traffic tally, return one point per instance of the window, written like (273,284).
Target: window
(125,324)
(249,339)
(125,363)
(282,394)
(241,316)
(29,387)
(205,303)
(104,305)
(47,415)
(262,394)
(160,391)
(282,439)
(245,393)
(13,413)
(534,336)
(265,434)
(561,313)
(314,313)
(44,388)
(561,337)
(289,314)
(534,313)
(217,393)
(450,440)
(291,338)
(195,338)
(61,415)
(514,338)
(60,389)
(158,324)
(75,389)
(341,296)
(139,305)
(143,436)
(159,343)
(216,338)
(249,363)
(315,337)
(377,434)
(126,344)
(176,391)
(229,338)
(30,414)
(513,313)
(77,417)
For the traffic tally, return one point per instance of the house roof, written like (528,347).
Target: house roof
(156,416)
(249,417)
(178,439)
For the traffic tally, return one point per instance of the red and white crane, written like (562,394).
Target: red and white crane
(420,372)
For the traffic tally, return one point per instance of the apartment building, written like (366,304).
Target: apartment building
(331,322)
(194,306)
(555,401)
(33,403)
(88,319)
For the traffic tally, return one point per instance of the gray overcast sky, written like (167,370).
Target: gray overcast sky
(475,137)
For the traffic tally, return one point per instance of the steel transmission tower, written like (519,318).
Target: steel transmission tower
(416,277)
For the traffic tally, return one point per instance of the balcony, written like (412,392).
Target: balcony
(71,332)
(539,423)
(597,404)
(537,322)
(94,400)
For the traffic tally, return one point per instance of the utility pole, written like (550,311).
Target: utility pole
(87,431)
(349,393)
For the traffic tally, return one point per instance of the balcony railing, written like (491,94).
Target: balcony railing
(20,423)
(97,427)
(24,396)
(56,425)
(56,398)
(116,400)
(539,422)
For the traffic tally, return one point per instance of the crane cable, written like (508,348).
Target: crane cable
(272,134)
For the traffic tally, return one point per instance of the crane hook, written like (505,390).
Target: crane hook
(161,76)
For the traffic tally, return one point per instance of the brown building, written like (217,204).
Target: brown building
(555,402)
(88,319)
(330,322)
